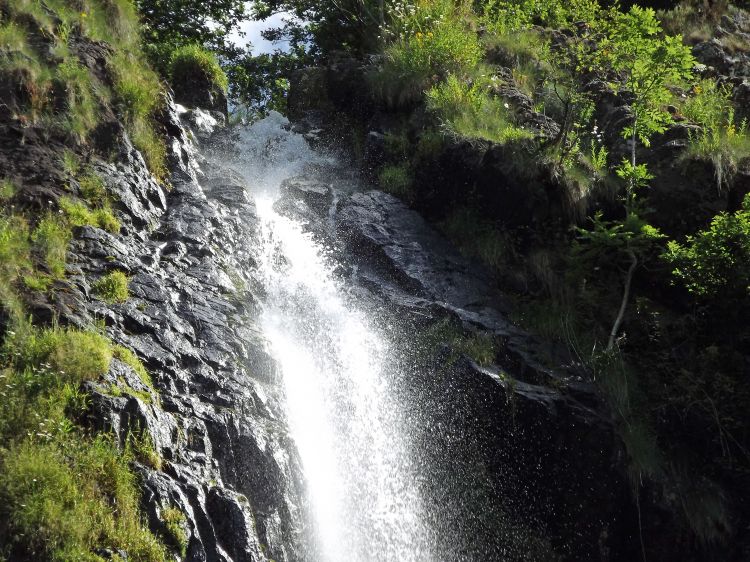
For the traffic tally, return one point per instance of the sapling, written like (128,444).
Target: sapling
(641,63)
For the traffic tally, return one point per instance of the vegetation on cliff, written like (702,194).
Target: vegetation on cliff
(70,72)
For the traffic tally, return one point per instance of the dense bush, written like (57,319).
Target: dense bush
(715,263)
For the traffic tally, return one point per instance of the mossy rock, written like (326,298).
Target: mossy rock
(197,79)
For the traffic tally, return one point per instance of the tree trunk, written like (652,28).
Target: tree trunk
(625,299)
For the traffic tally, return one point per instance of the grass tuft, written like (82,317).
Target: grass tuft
(142,445)
(92,188)
(73,89)
(7,190)
(174,523)
(51,238)
(112,288)
(78,214)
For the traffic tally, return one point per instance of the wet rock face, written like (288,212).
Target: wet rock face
(220,448)
(516,459)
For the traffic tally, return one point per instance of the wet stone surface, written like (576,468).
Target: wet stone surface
(214,416)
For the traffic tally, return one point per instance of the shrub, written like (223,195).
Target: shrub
(113,287)
(502,16)
(716,261)
(192,63)
(426,44)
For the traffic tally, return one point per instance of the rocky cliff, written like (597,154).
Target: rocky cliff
(221,454)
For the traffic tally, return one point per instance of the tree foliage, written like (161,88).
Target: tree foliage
(349,25)
(168,25)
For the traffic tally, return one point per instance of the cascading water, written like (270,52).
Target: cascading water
(361,470)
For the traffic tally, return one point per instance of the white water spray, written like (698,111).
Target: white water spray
(343,410)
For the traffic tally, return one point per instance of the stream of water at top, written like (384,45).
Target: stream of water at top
(344,413)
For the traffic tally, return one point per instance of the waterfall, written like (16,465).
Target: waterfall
(344,412)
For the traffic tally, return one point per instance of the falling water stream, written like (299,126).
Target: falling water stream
(344,413)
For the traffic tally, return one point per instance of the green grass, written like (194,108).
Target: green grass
(51,238)
(193,62)
(63,93)
(424,45)
(92,188)
(136,86)
(70,162)
(396,179)
(79,214)
(151,146)
(477,237)
(64,494)
(723,139)
(21,249)
(521,49)
(112,288)
(137,90)
(480,347)
(15,261)
(7,190)
(174,523)
(129,358)
(467,110)
(74,355)
(73,85)
(12,37)
(142,446)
